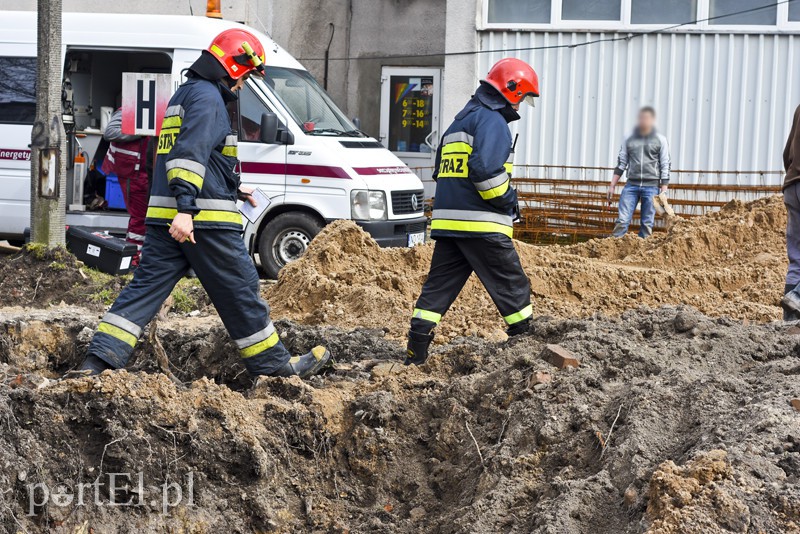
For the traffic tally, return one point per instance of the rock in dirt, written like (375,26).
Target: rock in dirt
(540,377)
(559,356)
(389,368)
(685,321)
(795,404)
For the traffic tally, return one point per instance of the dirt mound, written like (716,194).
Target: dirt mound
(38,276)
(468,443)
(739,231)
(41,277)
(727,263)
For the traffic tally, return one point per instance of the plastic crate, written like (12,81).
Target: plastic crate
(114,193)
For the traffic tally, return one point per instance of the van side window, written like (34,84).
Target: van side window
(250,110)
(18,90)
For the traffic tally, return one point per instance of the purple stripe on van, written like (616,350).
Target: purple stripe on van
(15,154)
(319,171)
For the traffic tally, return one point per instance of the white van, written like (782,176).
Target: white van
(323,169)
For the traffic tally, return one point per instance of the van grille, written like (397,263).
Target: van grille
(405,202)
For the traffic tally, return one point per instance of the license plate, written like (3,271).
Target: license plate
(416,239)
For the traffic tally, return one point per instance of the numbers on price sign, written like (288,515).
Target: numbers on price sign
(411,113)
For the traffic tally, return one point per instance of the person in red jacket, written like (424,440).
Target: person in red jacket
(126,157)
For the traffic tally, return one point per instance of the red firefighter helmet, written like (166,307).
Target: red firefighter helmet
(239,52)
(515,80)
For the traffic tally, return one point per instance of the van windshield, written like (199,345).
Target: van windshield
(309,105)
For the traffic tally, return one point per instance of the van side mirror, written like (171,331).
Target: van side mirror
(285,136)
(357,122)
(269,128)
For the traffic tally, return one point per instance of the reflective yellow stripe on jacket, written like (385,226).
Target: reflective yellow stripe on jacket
(231,147)
(221,211)
(186,170)
(493,187)
(472,221)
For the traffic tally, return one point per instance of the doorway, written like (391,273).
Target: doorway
(410,110)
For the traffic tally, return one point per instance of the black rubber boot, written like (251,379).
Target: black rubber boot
(91,366)
(519,328)
(306,365)
(790,303)
(417,348)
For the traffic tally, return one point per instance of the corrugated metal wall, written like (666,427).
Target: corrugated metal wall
(725,101)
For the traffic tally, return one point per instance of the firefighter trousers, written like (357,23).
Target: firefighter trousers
(224,267)
(496,262)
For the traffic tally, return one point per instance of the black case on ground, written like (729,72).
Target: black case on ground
(104,252)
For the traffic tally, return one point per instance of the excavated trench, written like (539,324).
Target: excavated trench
(674,422)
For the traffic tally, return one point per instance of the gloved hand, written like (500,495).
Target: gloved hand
(610,194)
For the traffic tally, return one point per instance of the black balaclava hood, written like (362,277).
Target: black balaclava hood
(510,114)
(208,68)
(492,99)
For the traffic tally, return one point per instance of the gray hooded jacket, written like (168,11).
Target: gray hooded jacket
(645,158)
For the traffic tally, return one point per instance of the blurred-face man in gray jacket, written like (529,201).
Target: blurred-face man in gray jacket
(645,157)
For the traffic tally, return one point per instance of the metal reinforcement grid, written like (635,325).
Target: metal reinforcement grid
(561,204)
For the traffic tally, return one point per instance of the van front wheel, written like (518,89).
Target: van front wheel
(285,239)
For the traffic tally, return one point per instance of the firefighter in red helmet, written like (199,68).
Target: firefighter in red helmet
(193,222)
(475,207)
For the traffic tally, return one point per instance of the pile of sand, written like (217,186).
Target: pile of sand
(730,262)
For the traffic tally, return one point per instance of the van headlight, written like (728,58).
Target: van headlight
(368,205)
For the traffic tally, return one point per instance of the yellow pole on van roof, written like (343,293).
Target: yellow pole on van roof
(213,9)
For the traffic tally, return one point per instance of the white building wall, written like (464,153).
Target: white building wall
(724,101)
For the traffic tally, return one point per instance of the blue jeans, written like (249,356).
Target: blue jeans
(631,196)
(791,198)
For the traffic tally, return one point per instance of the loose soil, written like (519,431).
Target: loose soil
(728,263)
(678,419)
(41,277)
(673,423)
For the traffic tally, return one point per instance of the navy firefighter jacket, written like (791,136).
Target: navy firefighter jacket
(195,160)
(474,196)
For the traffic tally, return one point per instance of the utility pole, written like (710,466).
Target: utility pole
(48,140)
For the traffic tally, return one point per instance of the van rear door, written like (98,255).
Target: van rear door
(17,113)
